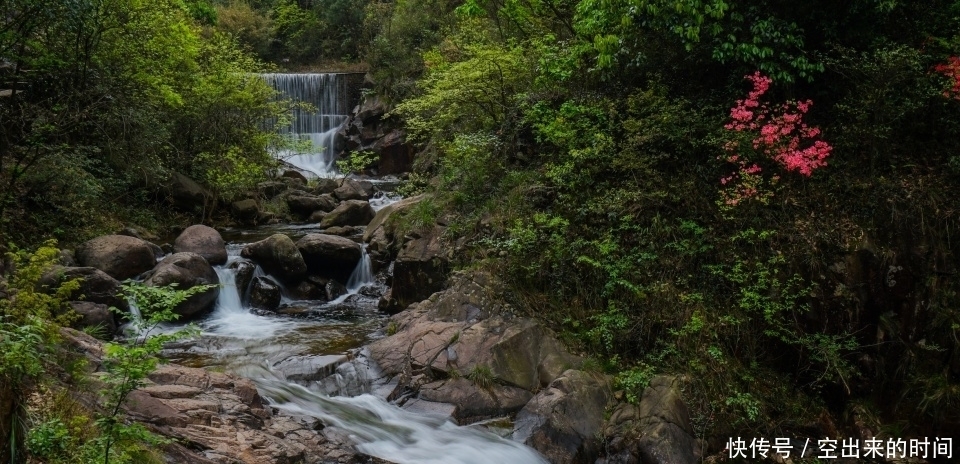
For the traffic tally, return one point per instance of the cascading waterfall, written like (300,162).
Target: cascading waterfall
(327,94)
(252,344)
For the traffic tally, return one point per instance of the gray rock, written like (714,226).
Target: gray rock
(94,315)
(349,213)
(473,402)
(562,421)
(95,285)
(666,435)
(265,294)
(204,241)
(335,290)
(421,268)
(187,270)
(278,256)
(185,193)
(326,186)
(120,256)
(329,255)
(271,189)
(351,189)
(306,204)
(296,176)
(245,211)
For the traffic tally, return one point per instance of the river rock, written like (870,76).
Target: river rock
(326,185)
(666,436)
(474,403)
(120,256)
(94,316)
(329,255)
(562,421)
(306,204)
(278,256)
(351,189)
(187,270)
(95,285)
(295,176)
(244,275)
(467,327)
(270,189)
(396,155)
(204,241)
(245,211)
(265,294)
(381,231)
(186,194)
(309,368)
(420,269)
(335,290)
(349,213)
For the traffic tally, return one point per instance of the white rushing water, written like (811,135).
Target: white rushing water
(251,344)
(326,94)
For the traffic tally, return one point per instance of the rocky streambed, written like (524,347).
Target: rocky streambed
(298,360)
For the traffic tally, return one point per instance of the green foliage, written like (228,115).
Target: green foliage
(482,376)
(126,366)
(355,162)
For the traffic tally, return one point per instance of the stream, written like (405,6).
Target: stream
(257,345)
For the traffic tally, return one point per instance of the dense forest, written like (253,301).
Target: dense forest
(757,196)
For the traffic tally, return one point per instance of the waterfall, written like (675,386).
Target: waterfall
(362,274)
(327,94)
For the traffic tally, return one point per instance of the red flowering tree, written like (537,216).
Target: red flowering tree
(766,132)
(951,69)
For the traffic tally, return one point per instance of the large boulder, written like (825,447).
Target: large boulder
(306,204)
(666,436)
(120,256)
(563,421)
(278,256)
(467,328)
(421,268)
(187,270)
(204,241)
(94,316)
(396,155)
(351,189)
(326,186)
(265,294)
(381,231)
(95,285)
(245,211)
(349,213)
(329,255)
(475,401)
(185,193)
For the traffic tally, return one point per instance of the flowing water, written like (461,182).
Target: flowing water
(259,345)
(327,108)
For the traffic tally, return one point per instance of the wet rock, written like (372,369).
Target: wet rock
(265,294)
(351,189)
(474,403)
(562,421)
(204,241)
(94,316)
(317,216)
(306,204)
(420,270)
(95,285)
(278,256)
(311,288)
(244,275)
(326,186)
(271,189)
(296,176)
(187,270)
(431,408)
(309,368)
(666,436)
(342,231)
(381,231)
(120,256)
(245,211)
(186,194)
(335,290)
(329,255)
(349,213)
